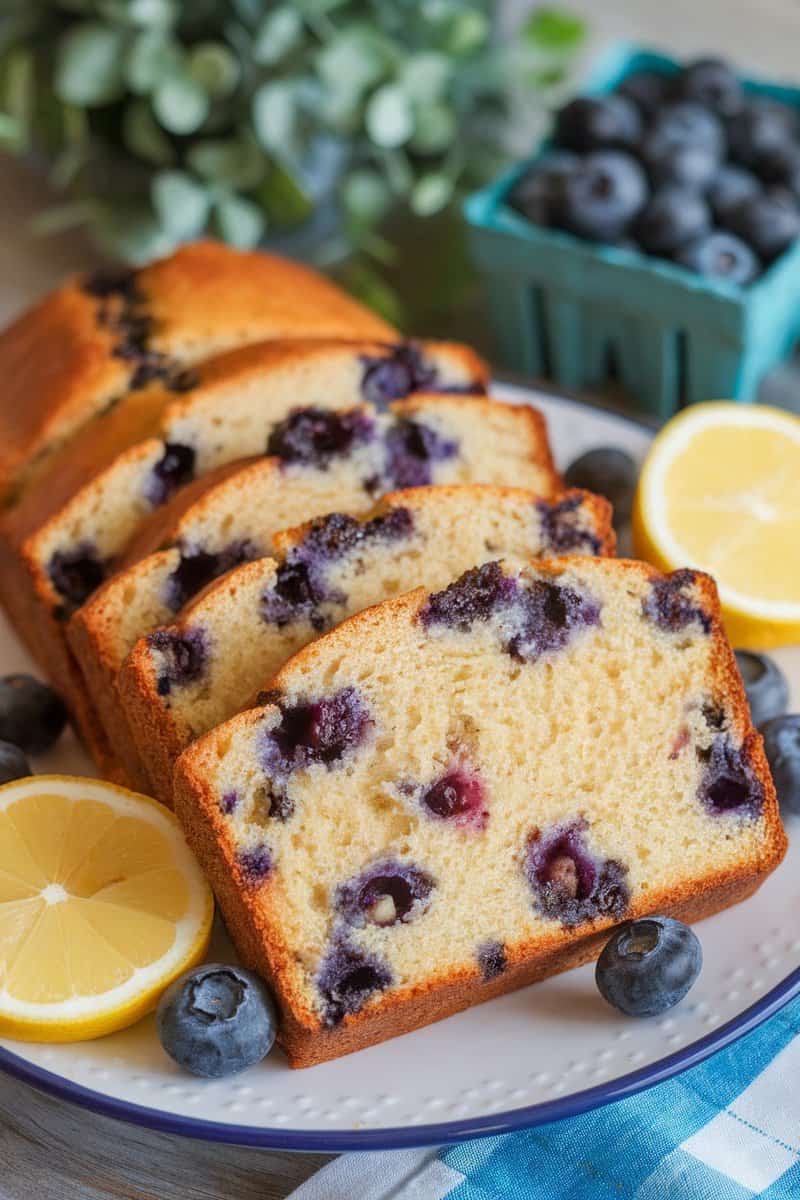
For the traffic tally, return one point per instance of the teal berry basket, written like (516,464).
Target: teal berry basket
(566,309)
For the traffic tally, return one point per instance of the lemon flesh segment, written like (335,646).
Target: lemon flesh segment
(102,905)
(720,491)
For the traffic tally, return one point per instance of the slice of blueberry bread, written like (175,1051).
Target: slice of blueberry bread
(182,680)
(107,335)
(51,563)
(456,793)
(320,461)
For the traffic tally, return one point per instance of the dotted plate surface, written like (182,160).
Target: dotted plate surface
(542,1053)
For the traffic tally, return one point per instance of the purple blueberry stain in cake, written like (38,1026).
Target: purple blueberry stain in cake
(539,616)
(123,311)
(110,281)
(547,616)
(174,469)
(411,450)
(347,978)
(570,884)
(76,573)
(728,782)
(315,436)
(492,960)
(229,803)
(564,528)
(401,371)
(458,797)
(671,606)
(300,586)
(476,596)
(255,864)
(322,731)
(198,567)
(384,894)
(183,657)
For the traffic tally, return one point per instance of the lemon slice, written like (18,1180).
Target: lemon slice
(720,490)
(102,905)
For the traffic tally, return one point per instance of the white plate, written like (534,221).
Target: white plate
(545,1052)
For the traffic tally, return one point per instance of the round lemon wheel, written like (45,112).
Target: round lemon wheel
(102,905)
(720,491)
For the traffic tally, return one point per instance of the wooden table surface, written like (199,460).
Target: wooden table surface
(48,1149)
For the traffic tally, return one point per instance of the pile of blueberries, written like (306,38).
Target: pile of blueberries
(32,718)
(687,167)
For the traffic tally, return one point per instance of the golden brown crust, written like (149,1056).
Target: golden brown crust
(58,362)
(259,940)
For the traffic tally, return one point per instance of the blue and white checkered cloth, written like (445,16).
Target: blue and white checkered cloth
(728,1129)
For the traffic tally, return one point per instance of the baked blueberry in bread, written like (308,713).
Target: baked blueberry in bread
(319,461)
(454,794)
(181,680)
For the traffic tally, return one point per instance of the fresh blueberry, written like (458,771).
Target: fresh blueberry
(217,1019)
(603,195)
(688,124)
(537,194)
(648,966)
(758,130)
(782,745)
(765,684)
(32,715)
(781,165)
(647,90)
(729,187)
(598,122)
(712,83)
(720,255)
(13,763)
(610,472)
(672,217)
(768,222)
(688,164)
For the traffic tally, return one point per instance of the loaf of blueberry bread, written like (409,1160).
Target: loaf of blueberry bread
(66,532)
(103,337)
(180,681)
(456,793)
(320,461)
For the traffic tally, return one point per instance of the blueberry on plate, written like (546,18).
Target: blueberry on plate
(781,165)
(648,966)
(672,217)
(765,684)
(13,763)
(688,124)
(729,187)
(32,715)
(712,83)
(537,193)
(782,745)
(720,255)
(768,222)
(610,472)
(690,164)
(647,90)
(602,196)
(598,122)
(761,127)
(217,1019)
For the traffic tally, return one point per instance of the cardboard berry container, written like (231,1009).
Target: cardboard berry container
(565,308)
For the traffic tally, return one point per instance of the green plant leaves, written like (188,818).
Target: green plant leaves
(214,67)
(555,30)
(389,117)
(278,34)
(239,222)
(239,163)
(143,136)
(180,104)
(89,65)
(181,204)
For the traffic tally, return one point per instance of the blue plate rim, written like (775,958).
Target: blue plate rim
(448,1132)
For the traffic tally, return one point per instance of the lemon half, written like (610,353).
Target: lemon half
(720,491)
(102,905)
